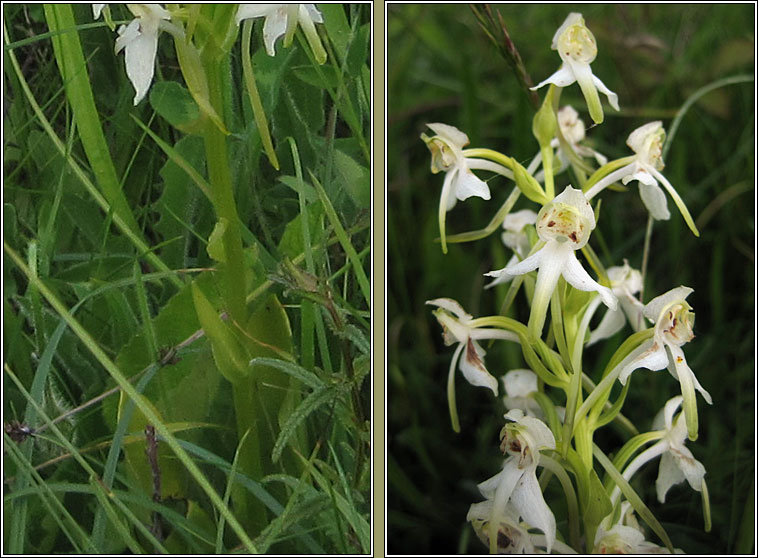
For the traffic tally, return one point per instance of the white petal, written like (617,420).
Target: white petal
(654,357)
(274,27)
(613,99)
(520,382)
(141,48)
(562,78)
(655,307)
(577,277)
(472,366)
(451,306)
(249,11)
(466,184)
(669,474)
(655,201)
(97,9)
(610,325)
(312,12)
(519,268)
(452,134)
(527,498)
(539,435)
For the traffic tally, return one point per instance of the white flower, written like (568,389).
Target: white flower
(577,48)
(677,462)
(564,226)
(519,384)
(282,19)
(647,144)
(625,537)
(673,328)
(516,239)
(457,329)
(460,183)
(625,283)
(139,39)
(515,491)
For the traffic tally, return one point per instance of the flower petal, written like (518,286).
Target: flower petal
(466,184)
(562,78)
(141,47)
(669,474)
(655,307)
(453,135)
(451,306)
(653,357)
(654,200)
(584,78)
(527,498)
(472,366)
(613,99)
(576,276)
(610,325)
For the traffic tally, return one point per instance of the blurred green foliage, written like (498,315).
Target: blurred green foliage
(443,68)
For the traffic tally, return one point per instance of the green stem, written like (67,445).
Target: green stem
(217,159)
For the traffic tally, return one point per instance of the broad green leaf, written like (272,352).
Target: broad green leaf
(230,357)
(174,102)
(354,178)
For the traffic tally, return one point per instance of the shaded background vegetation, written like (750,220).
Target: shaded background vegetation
(442,68)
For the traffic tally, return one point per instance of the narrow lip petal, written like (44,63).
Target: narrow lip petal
(584,77)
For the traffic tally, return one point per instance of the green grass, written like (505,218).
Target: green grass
(152,253)
(442,68)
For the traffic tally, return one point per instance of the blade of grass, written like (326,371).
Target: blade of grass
(122,225)
(73,69)
(344,240)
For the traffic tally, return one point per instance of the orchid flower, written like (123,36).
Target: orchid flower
(564,226)
(625,283)
(677,462)
(673,328)
(516,239)
(282,19)
(460,183)
(626,537)
(647,144)
(458,328)
(577,48)
(573,131)
(518,385)
(515,492)
(139,40)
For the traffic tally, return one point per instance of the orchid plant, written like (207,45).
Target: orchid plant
(547,239)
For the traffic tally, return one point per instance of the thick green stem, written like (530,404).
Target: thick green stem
(217,159)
